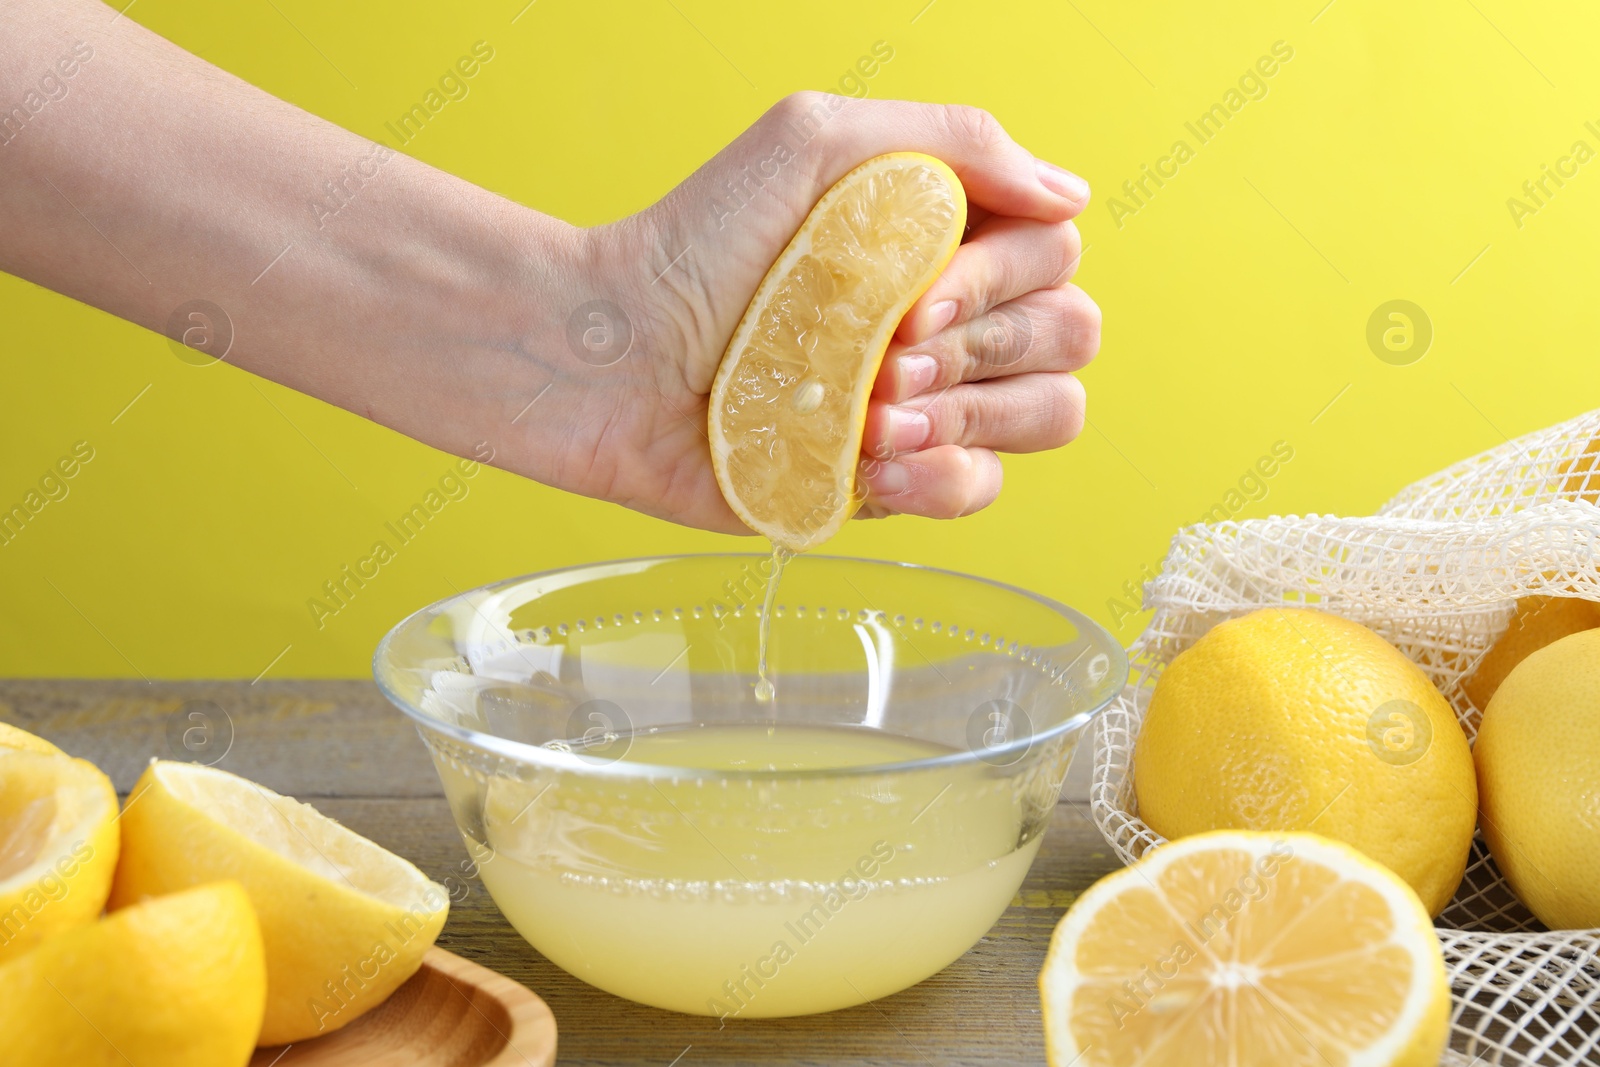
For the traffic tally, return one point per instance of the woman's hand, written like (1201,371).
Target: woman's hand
(981,363)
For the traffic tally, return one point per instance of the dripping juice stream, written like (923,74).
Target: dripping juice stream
(764,689)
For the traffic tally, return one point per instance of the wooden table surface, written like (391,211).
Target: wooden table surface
(340,747)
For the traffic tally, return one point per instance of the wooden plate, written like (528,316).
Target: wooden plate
(451,1013)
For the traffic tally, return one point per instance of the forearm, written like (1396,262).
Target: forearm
(346,270)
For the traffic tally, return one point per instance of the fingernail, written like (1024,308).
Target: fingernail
(891,479)
(1061,182)
(917,374)
(908,429)
(940,314)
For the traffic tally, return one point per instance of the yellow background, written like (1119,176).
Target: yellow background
(1236,301)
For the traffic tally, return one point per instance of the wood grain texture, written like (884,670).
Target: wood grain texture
(341,747)
(451,1013)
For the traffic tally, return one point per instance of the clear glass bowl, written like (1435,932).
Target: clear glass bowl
(653,828)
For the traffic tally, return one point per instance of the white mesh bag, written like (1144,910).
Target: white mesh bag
(1437,572)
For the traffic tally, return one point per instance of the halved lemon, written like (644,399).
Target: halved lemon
(58,845)
(1246,949)
(175,982)
(344,921)
(16,737)
(789,402)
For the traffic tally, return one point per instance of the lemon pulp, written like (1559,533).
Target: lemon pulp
(1250,949)
(58,843)
(789,401)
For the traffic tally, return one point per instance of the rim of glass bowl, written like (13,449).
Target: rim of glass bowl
(556,759)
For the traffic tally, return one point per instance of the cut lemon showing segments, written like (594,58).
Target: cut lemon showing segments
(58,845)
(1247,949)
(789,402)
(344,921)
(175,982)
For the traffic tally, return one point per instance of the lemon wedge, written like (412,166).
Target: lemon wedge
(174,982)
(344,921)
(58,844)
(1249,949)
(789,402)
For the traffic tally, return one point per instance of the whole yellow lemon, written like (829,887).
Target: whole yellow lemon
(1295,719)
(1539,621)
(1538,757)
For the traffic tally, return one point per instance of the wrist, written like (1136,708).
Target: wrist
(481,298)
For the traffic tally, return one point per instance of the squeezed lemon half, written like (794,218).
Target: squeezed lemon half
(789,402)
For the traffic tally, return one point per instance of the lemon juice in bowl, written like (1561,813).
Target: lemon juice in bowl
(654,829)
(771,897)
